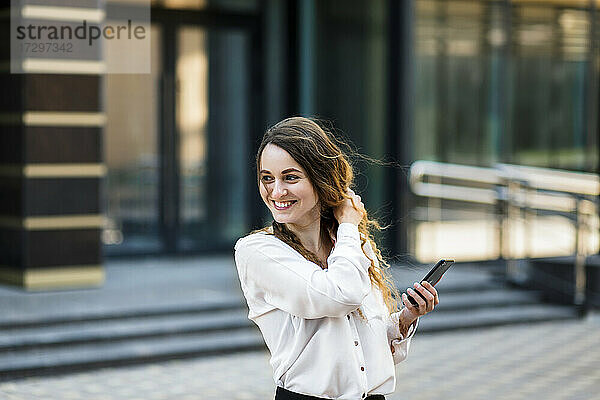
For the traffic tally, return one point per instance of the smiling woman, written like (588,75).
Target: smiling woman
(315,282)
(286,189)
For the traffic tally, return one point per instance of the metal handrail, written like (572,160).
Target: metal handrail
(507,187)
(420,169)
(557,195)
(582,183)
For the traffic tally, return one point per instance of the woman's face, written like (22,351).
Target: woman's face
(286,189)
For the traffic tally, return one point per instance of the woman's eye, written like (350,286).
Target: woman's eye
(287,178)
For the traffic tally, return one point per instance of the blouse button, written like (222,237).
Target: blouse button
(364,395)
(362,368)
(348,316)
(356,343)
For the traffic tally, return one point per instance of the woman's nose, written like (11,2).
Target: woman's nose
(278,190)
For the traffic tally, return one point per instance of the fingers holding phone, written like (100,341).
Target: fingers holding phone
(425,296)
(429,286)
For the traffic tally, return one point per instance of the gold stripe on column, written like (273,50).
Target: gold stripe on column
(84,170)
(51,118)
(45,66)
(68,276)
(90,221)
(59,13)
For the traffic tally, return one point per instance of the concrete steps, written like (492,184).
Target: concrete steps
(79,356)
(470,297)
(500,315)
(473,296)
(107,330)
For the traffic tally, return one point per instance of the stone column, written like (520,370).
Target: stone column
(51,166)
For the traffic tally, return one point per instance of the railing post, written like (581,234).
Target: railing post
(509,227)
(518,211)
(526,211)
(502,215)
(579,296)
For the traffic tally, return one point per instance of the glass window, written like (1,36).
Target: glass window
(213,127)
(192,124)
(503,82)
(549,74)
(131,155)
(500,82)
(451,68)
(350,82)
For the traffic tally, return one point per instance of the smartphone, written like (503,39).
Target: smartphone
(433,277)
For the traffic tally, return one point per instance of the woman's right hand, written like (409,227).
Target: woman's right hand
(347,212)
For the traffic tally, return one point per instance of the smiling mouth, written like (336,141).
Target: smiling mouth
(283,205)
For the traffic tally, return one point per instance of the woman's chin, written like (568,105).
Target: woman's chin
(281,219)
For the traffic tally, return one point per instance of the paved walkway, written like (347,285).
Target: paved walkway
(551,361)
(131,285)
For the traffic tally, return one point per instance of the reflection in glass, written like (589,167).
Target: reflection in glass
(212,124)
(500,82)
(130,152)
(192,118)
(503,82)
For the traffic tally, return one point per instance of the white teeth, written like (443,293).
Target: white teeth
(282,205)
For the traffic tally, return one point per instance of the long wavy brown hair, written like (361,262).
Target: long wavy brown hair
(315,149)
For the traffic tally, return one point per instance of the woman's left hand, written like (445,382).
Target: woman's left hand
(410,313)
(424,306)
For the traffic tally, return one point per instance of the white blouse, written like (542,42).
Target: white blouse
(319,344)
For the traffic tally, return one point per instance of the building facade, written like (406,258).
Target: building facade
(108,165)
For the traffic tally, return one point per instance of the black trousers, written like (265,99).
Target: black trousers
(284,394)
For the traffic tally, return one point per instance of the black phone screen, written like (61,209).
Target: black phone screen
(433,276)
(437,271)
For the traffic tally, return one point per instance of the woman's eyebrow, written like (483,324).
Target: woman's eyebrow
(285,171)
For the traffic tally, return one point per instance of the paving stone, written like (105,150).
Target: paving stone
(553,360)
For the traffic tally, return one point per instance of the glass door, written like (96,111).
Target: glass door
(131,137)
(212,124)
(178,142)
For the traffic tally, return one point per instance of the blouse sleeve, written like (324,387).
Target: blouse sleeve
(396,341)
(274,273)
(400,343)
